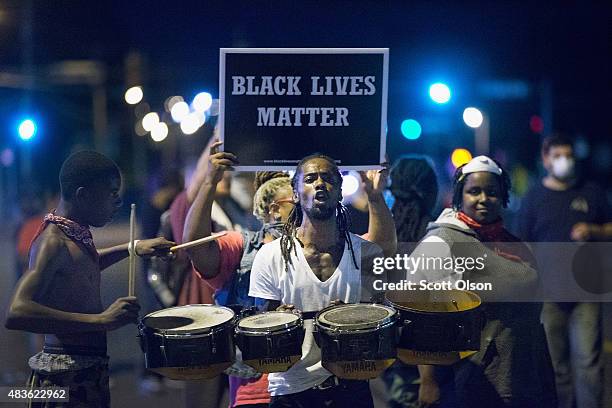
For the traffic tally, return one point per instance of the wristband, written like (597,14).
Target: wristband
(133,251)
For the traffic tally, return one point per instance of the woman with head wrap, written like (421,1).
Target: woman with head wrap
(512,368)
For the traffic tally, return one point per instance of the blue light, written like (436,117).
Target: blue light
(411,129)
(27,129)
(439,93)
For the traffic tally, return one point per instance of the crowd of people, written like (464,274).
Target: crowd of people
(305,257)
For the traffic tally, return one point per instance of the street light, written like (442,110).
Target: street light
(27,129)
(472,117)
(440,93)
(133,95)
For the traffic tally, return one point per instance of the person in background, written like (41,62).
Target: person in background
(414,186)
(164,186)
(566,208)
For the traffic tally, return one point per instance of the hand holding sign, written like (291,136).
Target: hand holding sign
(219,162)
(375,181)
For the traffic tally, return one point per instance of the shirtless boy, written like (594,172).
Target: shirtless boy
(59,295)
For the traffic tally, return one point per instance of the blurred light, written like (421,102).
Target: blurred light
(350,184)
(520,180)
(536,124)
(191,123)
(472,117)
(411,129)
(159,132)
(179,111)
(439,92)
(202,102)
(133,95)
(150,120)
(7,157)
(460,157)
(171,101)
(27,129)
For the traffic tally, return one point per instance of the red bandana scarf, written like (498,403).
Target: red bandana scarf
(73,230)
(497,234)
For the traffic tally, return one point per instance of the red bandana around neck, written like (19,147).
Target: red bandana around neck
(496,233)
(73,230)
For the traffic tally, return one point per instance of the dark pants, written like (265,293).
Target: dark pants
(574,334)
(350,394)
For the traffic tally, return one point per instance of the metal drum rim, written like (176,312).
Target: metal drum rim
(299,322)
(360,327)
(429,312)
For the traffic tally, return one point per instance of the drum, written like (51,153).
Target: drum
(437,327)
(270,342)
(357,341)
(188,342)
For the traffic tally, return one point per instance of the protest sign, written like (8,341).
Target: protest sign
(279,105)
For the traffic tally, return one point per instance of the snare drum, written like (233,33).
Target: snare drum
(357,341)
(270,342)
(437,327)
(188,342)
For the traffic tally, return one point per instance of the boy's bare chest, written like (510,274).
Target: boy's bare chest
(76,285)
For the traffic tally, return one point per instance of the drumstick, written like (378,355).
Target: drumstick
(132,258)
(198,241)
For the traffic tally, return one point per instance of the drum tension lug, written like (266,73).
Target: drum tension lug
(337,343)
(163,348)
(213,343)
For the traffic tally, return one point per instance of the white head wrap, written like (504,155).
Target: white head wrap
(481,163)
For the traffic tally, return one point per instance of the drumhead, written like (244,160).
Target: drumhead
(269,321)
(190,318)
(353,317)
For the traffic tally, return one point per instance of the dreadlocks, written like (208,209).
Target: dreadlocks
(459,181)
(415,188)
(296,216)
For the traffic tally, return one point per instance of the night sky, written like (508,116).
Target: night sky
(566,48)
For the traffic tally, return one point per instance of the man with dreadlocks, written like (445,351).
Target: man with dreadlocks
(316,262)
(225,264)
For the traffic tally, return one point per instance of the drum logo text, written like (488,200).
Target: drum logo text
(358,366)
